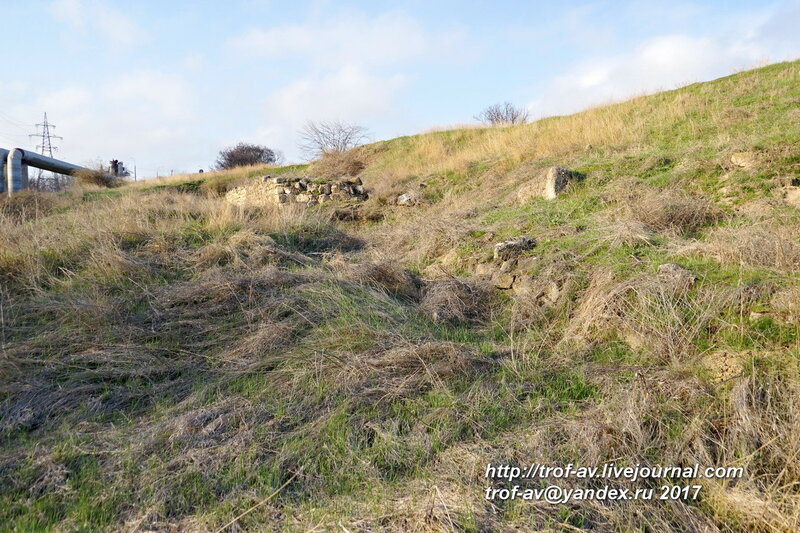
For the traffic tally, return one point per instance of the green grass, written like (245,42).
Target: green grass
(171,361)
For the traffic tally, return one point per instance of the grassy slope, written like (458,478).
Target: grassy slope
(168,361)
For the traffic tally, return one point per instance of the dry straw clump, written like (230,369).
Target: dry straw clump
(456,300)
(389,277)
(672,210)
(24,206)
(338,164)
(759,245)
(407,371)
(656,314)
(631,233)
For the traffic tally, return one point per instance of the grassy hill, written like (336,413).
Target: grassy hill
(170,362)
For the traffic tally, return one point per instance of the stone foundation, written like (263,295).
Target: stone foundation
(285,190)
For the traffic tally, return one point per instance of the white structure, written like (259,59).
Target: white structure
(14,164)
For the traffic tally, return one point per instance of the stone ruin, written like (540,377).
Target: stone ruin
(283,190)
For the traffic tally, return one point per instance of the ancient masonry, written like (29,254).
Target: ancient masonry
(288,190)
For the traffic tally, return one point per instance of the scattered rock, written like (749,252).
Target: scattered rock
(743,159)
(503,280)
(723,365)
(792,196)
(543,292)
(523,286)
(556,180)
(548,185)
(511,249)
(406,200)
(676,275)
(484,269)
(524,264)
(758,315)
(552,292)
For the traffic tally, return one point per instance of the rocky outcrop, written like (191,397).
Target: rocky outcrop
(508,262)
(282,190)
(548,185)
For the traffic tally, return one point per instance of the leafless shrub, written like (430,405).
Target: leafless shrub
(455,300)
(503,114)
(320,138)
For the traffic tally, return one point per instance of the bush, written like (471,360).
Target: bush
(502,114)
(97,178)
(244,154)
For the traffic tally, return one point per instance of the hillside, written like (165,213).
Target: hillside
(172,362)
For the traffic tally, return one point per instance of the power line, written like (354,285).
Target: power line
(12,121)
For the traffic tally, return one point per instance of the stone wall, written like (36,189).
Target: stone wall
(289,190)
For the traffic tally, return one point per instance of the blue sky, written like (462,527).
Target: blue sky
(168,84)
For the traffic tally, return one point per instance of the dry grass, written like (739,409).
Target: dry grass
(456,300)
(654,314)
(611,126)
(671,210)
(26,205)
(336,165)
(97,178)
(759,245)
(169,360)
(390,277)
(630,233)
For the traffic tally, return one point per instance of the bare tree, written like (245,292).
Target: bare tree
(244,154)
(335,137)
(505,113)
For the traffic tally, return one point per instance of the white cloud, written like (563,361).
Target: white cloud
(148,115)
(354,67)
(668,61)
(349,94)
(352,38)
(88,17)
